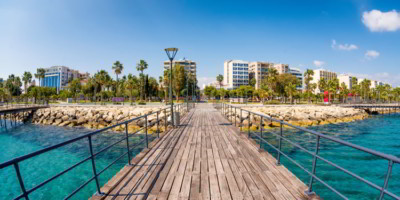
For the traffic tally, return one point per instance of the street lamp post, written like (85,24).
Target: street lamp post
(187,85)
(171,53)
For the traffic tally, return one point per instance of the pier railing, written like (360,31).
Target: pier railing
(184,107)
(233,112)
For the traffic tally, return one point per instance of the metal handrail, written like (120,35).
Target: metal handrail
(390,158)
(15,162)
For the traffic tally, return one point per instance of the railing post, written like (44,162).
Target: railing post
(94,165)
(147,139)
(248,125)
(127,143)
(165,121)
(231,114)
(385,185)
(261,131)
(235,116)
(20,180)
(278,160)
(314,165)
(158,125)
(241,123)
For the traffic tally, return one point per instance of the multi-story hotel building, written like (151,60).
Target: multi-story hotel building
(299,75)
(236,73)
(282,68)
(259,71)
(190,66)
(322,73)
(346,79)
(58,77)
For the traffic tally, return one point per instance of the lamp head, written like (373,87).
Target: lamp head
(171,52)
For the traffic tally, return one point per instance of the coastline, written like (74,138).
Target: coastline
(303,116)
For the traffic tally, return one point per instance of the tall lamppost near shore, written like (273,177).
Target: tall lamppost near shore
(171,53)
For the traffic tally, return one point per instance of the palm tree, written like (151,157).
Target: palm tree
(141,66)
(344,91)
(161,82)
(40,74)
(117,67)
(220,78)
(27,78)
(290,90)
(308,77)
(323,85)
(131,85)
(102,78)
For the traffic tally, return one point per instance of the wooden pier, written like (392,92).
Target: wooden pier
(204,158)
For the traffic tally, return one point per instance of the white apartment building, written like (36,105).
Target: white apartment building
(322,73)
(347,80)
(259,71)
(190,66)
(58,77)
(299,75)
(282,68)
(236,73)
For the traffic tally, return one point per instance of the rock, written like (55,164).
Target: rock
(65,117)
(81,121)
(65,123)
(57,122)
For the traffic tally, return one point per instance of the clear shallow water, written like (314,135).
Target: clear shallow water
(380,133)
(29,138)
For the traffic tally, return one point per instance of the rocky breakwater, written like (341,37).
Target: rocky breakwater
(301,115)
(98,117)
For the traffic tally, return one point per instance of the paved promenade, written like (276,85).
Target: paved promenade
(204,158)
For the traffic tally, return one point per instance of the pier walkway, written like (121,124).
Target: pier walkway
(204,158)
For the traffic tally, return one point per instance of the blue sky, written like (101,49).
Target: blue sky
(358,37)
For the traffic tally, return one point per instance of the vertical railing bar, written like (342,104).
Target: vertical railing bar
(158,125)
(385,185)
(261,131)
(248,125)
(127,143)
(241,123)
(147,139)
(314,166)
(165,121)
(278,159)
(94,165)
(21,181)
(235,117)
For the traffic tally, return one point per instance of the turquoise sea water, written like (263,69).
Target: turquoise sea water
(29,138)
(380,133)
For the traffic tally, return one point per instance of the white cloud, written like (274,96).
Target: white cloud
(318,63)
(378,21)
(371,54)
(203,81)
(393,79)
(345,47)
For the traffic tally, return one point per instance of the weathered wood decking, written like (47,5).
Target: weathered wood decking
(205,158)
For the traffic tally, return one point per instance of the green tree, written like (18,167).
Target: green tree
(209,91)
(252,82)
(310,87)
(131,85)
(179,79)
(40,74)
(13,85)
(220,78)
(141,66)
(332,87)
(344,91)
(27,78)
(291,90)
(102,78)
(75,88)
(355,88)
(117,67)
